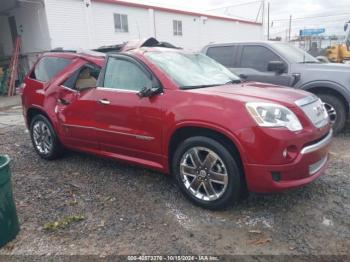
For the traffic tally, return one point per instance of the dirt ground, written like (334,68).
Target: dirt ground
(130,210)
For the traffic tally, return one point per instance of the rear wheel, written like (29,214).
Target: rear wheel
(336,111)
(44,138)
(207,173)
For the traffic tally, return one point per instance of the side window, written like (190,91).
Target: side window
(122,74)
(257,57)
(83,78)
(222,54)
(48,67)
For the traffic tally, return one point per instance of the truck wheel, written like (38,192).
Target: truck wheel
(336,111)
(207,173)
(44,138)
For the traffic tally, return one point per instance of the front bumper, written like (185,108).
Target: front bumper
(308,165)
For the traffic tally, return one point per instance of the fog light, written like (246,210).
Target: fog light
(290,152)
(276,176)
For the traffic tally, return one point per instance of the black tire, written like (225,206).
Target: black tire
(56,149)
(340,110)
(234,187)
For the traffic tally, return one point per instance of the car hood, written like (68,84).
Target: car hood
(254,91)
(327,67)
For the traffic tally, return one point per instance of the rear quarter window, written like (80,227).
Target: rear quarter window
(48,67)
(222,54)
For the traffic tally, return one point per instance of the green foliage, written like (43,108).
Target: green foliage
(63,223)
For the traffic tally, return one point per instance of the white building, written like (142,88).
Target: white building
(74,24)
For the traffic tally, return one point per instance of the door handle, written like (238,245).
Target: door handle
(63,101)
(104,102)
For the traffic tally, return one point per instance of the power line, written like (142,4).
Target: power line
(234,5)
(311,17)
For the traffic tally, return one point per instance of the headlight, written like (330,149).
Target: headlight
(273,115)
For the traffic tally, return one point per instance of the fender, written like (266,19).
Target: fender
(201,124)
(328,84)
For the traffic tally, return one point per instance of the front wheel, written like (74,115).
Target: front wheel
(336,111)
(207,173)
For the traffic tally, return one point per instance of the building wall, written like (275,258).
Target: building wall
(103,24)
(84,24)
(5,37)
(197,30)
(68,24)
(31,25)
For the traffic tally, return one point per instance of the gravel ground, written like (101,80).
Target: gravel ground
(131,210)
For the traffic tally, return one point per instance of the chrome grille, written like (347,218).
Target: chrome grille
(313,107)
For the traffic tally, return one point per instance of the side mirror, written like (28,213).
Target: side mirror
(149,91)
(243,76)
(276,66)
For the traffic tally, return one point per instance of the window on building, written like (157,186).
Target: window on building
(122,74)
(48,67)
(177,27)
(121,23)
(257,57)
(222,54)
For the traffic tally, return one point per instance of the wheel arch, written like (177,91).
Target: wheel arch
(33,111)
(184,132)
(331,88)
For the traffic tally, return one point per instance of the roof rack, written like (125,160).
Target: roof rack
(61,50)
(133,44)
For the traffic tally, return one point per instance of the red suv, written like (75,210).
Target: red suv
(178,112)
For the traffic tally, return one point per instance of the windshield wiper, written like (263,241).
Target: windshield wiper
(234,81)
(198,86)
(310,62)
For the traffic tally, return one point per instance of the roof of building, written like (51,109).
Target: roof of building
(171,10)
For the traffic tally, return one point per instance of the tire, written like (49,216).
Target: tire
(44,138)
(196,185)
(338,116)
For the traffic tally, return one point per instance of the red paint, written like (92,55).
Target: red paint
(164,9)
(138,130)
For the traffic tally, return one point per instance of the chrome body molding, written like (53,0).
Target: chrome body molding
(140,137)
(325,141)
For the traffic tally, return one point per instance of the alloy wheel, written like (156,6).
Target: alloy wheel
(42,137)
(203,173)
(332,113)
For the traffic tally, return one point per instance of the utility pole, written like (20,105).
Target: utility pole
(268,21)
(290,27)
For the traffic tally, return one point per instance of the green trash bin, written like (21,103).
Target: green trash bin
(9,226)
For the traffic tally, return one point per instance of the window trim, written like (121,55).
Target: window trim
(176,29)
(131,59)
(121,30)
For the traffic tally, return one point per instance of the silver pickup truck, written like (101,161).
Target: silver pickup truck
(283,64)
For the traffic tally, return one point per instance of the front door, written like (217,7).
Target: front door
(253,66)
(128,125)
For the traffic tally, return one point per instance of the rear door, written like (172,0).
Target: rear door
(253,65)
(76,105)
(225,55)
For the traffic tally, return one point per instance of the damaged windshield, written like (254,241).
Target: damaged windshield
(192,70)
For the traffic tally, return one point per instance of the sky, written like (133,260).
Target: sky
(328,14)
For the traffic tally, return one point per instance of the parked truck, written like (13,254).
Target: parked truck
(286,65)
